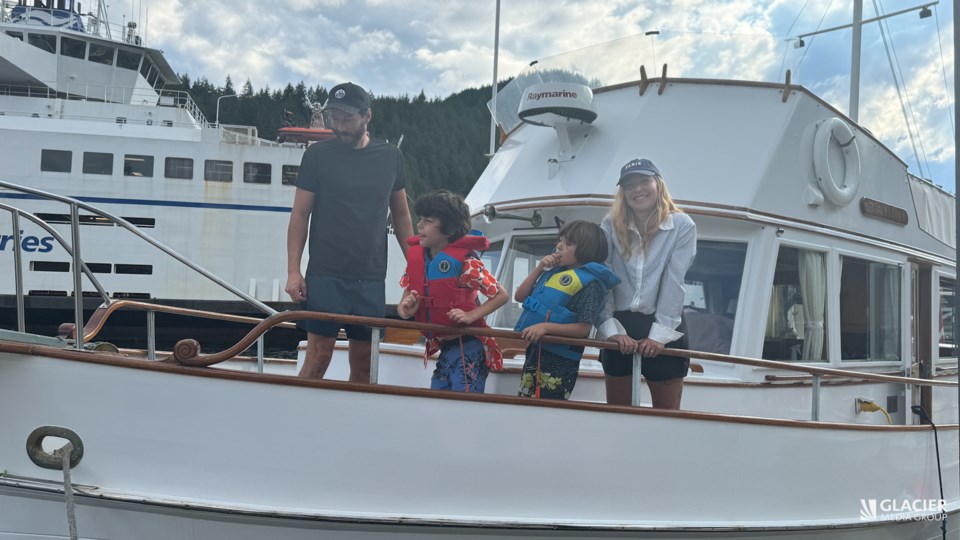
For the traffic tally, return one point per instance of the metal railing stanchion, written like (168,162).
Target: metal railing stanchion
(151,335)
(374,354)
(18,274)
(815,399)
(636,380)
(260,354)
(77,276)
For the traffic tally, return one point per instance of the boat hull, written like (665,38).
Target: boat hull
(203,448)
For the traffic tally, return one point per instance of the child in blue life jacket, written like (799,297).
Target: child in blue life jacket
(563,296)
(444,275)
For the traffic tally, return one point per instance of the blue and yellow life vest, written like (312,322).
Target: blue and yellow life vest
(551,294)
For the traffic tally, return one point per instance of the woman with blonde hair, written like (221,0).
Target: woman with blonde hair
(652,244)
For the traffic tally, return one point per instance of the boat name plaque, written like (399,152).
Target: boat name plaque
(883,211)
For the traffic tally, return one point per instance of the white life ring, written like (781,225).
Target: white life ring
(840,191)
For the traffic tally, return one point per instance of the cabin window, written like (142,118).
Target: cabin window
(138,165)
(175,167)
(101,54)
(43,41)
(948,341)
(257,173)
(521,259)
(216,170)
(491,257)
(869,310)
(97,163)
(712,287)
(288,176)
(74,48)
(797,317)
(128,59)
(55,160)
(16,35)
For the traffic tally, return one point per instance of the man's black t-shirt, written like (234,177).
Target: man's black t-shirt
(352,190)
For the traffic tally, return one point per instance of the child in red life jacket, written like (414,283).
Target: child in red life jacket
(563,296)
(444,275)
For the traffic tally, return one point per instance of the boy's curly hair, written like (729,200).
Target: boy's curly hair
(449,208)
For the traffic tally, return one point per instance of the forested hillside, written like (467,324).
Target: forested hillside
(444,140)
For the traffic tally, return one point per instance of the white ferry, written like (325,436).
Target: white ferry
(93,114)
(823,402)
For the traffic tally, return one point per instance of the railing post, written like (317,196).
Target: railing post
(815,399)
(77,276)
(635,386)
(151,335)
(18,273)
(374,355)
(260,354)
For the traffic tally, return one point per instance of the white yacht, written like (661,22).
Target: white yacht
(822,402)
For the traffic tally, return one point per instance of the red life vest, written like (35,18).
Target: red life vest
(438,281)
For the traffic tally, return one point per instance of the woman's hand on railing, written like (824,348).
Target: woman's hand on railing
(627,344)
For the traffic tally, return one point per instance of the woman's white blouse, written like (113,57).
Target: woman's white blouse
(651,281)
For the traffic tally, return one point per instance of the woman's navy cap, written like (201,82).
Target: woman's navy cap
(348,97)
(638,166)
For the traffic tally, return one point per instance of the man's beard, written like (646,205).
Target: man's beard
(351,138)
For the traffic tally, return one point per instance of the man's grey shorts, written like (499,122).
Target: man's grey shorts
(346,296)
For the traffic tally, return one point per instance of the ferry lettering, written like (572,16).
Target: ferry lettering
(29,244)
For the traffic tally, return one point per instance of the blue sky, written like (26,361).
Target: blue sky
(396,47)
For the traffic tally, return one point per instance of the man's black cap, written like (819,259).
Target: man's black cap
(348,97)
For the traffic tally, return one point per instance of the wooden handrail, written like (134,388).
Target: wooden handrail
(102,313)
(187,351)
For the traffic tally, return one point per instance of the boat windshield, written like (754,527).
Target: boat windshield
(708,56)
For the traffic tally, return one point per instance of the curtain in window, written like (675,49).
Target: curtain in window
(813,291)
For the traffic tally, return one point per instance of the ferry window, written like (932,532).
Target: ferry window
(55,160)
(101,54)
(948,341)
(73,48)
(152,78)
(869,310)
(142,222)
(145,68)
(257,173)
(798,308)
(49,266)
(175,167)
(712,286)
(288,175)
(138,165)
(215,170)
(99,268)
(524,254)
(43,41)
(142,269)
(97,163)
(16,35)
(128,59)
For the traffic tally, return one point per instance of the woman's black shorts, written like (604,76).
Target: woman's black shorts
(657,369)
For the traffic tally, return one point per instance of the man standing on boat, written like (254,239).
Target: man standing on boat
(344,189)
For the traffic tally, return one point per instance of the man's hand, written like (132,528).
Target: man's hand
(296,287)
(532,334)
(628,345)
(461,316)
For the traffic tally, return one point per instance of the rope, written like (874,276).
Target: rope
(65,452)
